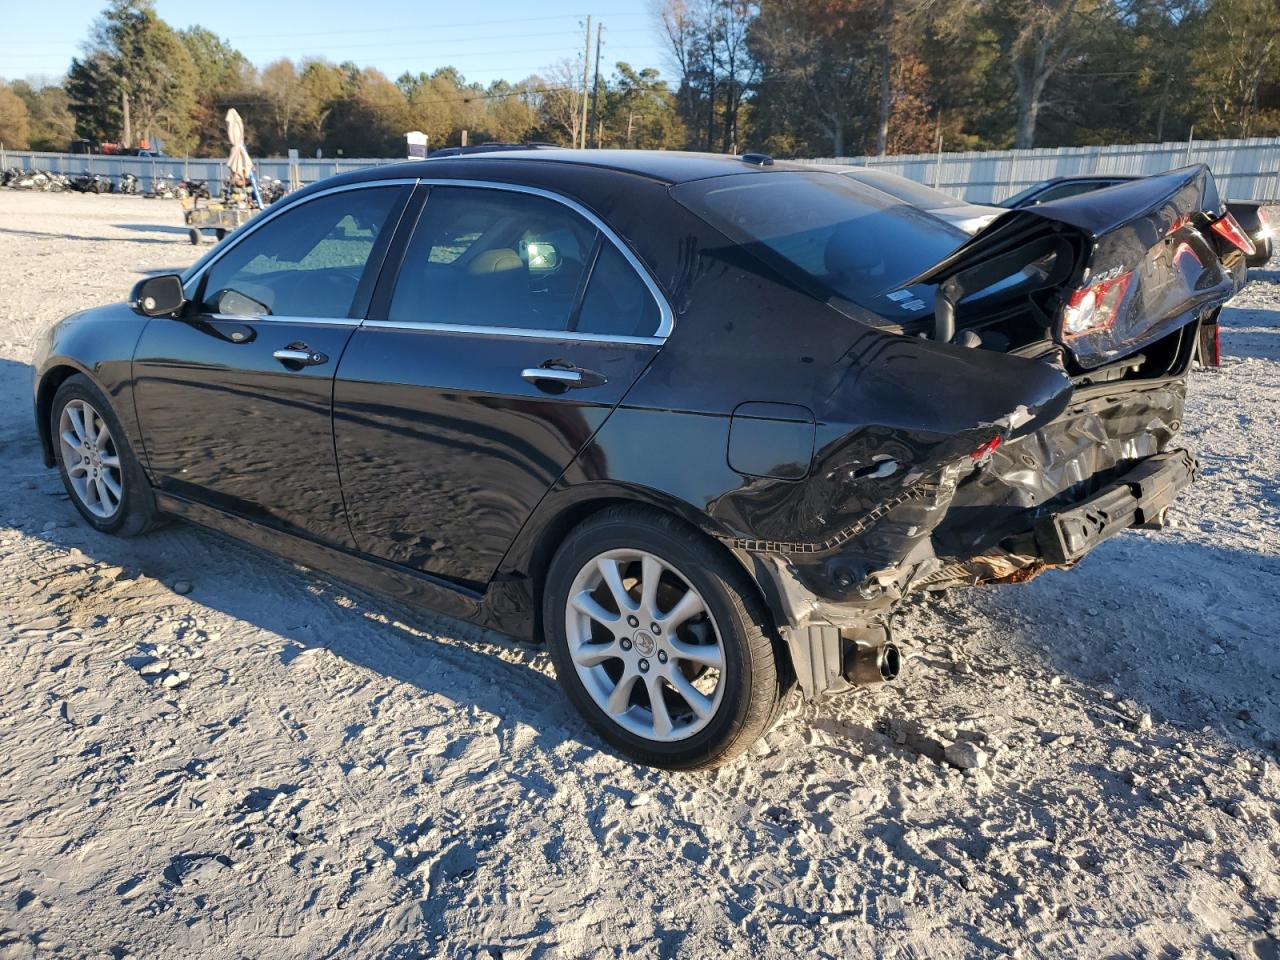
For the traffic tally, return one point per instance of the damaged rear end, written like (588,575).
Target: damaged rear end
(1032,414)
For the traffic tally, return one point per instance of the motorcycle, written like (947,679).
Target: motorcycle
(128,184)
(164,187)
(272,189)
(91,183)
(31,180)
(195,189)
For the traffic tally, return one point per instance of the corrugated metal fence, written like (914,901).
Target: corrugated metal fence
(148,169)
(1244,169)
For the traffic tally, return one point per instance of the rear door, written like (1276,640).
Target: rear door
(234,397)
(515,323)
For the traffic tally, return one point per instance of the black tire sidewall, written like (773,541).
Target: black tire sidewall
(137,510)
(713,578)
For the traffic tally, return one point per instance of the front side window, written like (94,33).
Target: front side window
(306,262)
(494,258)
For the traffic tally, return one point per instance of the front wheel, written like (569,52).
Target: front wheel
(102,476)
(660,641)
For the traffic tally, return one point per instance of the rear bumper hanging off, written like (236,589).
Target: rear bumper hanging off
(1137,499)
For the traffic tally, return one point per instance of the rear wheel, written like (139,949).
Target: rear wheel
(660,640)
(102,476)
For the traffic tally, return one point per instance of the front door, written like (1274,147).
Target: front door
(235,397)
(515,325)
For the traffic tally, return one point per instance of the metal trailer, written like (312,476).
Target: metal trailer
(217,216)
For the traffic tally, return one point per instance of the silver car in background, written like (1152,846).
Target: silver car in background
(969,217)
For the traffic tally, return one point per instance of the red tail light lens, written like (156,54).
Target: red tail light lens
(986,449)
(1094,307)
(1264,223)
(1230,230)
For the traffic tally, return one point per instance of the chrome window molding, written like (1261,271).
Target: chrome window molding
(192,280)
(272,318)
(666,320)
(527,332)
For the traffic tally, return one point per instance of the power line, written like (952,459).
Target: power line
(468,98)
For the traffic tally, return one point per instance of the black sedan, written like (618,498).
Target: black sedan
(700,422)
(1251,215)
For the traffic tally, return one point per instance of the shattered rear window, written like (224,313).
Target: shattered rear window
(837,236)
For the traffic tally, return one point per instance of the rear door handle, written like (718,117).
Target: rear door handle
(299,356)
(558,375)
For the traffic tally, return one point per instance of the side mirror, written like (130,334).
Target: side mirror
(160,296)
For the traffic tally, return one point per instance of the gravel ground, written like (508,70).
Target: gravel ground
(210,752)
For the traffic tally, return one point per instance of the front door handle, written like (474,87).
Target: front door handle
(553,375)
(299,355)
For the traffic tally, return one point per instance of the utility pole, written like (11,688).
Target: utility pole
(586,76)
(127,132)
(595,94)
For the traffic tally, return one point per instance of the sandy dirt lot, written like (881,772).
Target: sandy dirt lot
(277,764)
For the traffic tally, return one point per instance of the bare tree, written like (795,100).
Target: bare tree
(1038,36)
(560,103)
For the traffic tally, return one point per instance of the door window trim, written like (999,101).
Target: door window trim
(666,318)
(191,282)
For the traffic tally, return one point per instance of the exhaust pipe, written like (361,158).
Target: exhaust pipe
(866,664)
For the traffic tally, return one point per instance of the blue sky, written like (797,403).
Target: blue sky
(485,41)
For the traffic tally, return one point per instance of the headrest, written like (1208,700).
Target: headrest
(496,261)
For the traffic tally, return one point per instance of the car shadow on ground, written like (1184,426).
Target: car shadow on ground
(41,235)
(176,230)
(1250,333)
(1085,623)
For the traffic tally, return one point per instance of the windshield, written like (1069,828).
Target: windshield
(908,191)
(1023,195)
(841,237)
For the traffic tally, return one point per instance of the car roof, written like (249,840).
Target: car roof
(668,166)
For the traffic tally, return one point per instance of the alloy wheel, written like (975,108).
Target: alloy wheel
(91,459)
(645,645)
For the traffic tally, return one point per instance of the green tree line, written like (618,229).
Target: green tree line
(792,77)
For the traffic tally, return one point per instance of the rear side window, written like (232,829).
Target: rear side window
(617,302)
(306,262)
(836,236)
(493,258)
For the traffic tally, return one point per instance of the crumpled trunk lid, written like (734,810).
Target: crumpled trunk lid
(1149,233)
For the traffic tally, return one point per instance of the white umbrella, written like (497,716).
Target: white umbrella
(239,162)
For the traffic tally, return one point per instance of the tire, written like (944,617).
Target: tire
(129,510)
(194,236)
(720,682)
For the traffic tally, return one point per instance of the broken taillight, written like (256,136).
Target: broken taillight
(986,449)
(1211,344)
(1228,227)
(1094,307)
